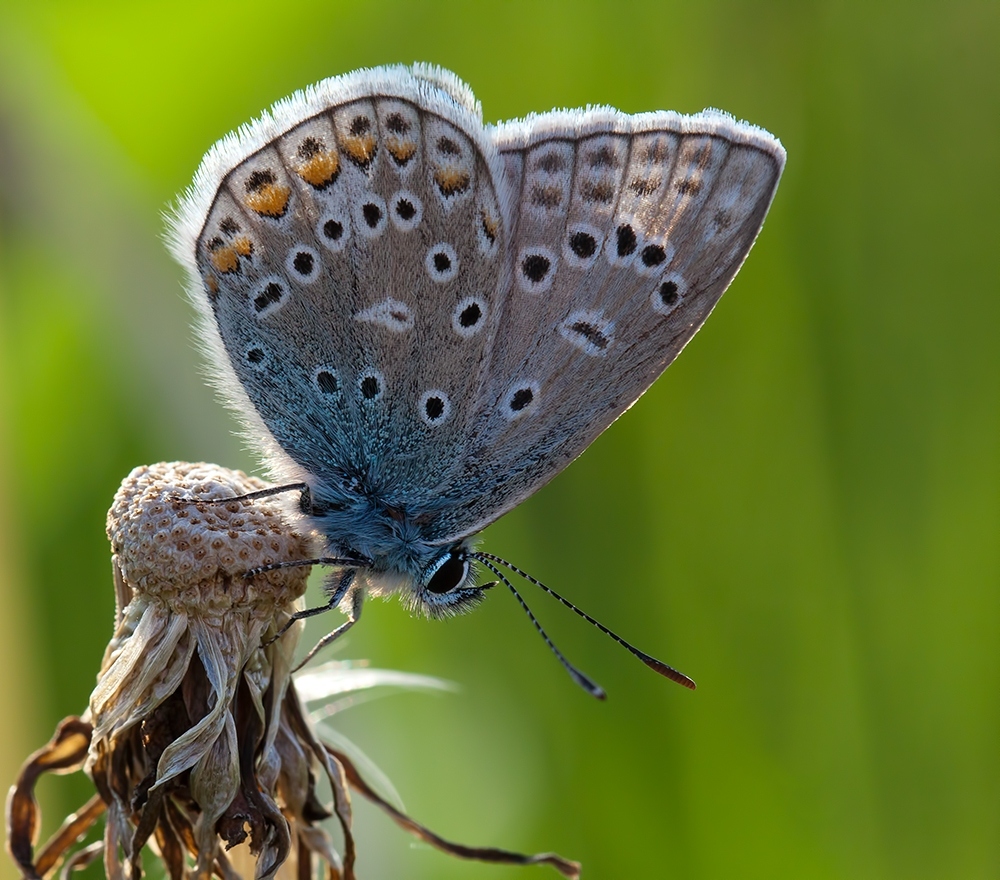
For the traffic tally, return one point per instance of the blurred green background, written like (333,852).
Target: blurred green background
(802,514)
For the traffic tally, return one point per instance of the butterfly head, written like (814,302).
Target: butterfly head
(448,584)
(439,582)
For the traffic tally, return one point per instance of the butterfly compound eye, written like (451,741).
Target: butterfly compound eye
(450,573)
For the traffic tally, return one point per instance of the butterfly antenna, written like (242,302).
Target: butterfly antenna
(252,496)
(654,664)
(588,684)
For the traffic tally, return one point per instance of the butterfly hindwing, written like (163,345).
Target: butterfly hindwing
(627,230)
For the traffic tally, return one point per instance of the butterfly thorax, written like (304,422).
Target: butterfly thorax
(400,557)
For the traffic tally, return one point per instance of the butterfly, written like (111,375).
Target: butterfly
(421,319)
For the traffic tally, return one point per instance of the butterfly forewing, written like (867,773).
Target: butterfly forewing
(352,268)
(627,232)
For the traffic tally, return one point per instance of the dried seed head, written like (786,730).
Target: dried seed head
(174,541)
(198,735)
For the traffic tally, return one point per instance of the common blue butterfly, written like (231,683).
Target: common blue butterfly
(422,319)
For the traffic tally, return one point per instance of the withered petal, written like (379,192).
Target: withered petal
(224,869)
(76,825)
(483,854)
(185,751)
(64,753)
(314,839)
(116,836)
(122,695)
(170,848)
(181,826)
(81,859)
(149,818)
(334,772)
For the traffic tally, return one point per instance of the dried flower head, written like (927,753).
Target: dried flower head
(195,738)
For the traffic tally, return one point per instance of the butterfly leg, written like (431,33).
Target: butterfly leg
(335,598)
(347,588)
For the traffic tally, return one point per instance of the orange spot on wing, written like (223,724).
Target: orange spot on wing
(402,151)
(490,226)
(243,246)
(451,179)
(321,169)
(360,148)
(270,200)
(225,259)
